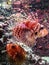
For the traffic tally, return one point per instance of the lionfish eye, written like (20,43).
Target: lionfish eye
(41,28)
(35,33)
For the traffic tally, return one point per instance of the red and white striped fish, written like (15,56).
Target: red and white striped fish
(27,32)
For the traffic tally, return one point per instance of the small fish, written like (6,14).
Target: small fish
(15,53)
(27,32)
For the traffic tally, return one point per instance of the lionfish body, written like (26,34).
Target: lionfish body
(15,53)
(27,32)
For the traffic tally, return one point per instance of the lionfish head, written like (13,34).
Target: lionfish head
(36,28)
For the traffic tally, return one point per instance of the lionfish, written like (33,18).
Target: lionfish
(16,54)
(27,32)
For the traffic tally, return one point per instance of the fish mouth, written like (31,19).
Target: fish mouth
(43,32)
